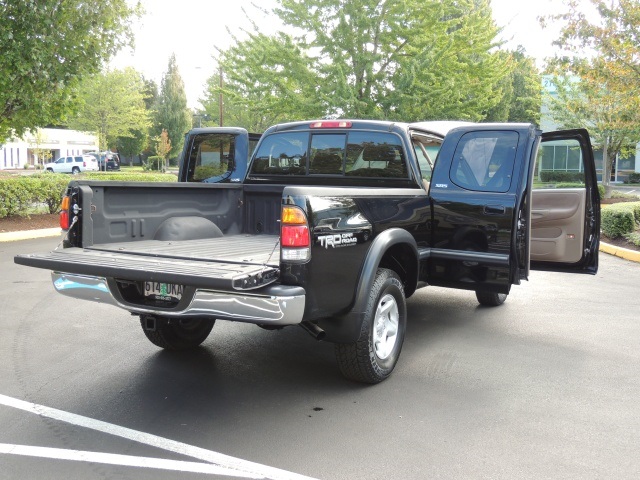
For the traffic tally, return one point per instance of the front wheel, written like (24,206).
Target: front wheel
(176,333)
(490,299)
(372,357)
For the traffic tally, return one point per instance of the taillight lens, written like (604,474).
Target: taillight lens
(64,213)
(294,235)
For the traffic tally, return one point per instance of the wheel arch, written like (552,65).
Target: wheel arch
(395,249)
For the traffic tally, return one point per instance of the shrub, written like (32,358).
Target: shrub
(633,178)
(601,190)
(18,195)
(207,171)
(555,176)
(620,219)
(49,189)
(155,163)
(129,176)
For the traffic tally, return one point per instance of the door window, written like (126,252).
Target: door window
(484,160)
(559,164)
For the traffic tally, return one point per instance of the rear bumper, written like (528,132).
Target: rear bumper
(272,305)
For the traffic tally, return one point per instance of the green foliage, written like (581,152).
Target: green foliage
(597,80)
(172,113)
(620,219)
(601,191)
(203,172)
(19,194)
(410,60)
(633,178)
(557,176)
(155,163)
(48,47)
(144,176)
(522,95)
(112,104)
(633,237)
(267,80)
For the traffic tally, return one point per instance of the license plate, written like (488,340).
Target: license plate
(163,291)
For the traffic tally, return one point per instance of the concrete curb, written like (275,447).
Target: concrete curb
(29,234)
(625,253)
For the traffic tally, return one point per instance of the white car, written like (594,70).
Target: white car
(73,164)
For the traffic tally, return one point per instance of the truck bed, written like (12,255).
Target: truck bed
(218,263)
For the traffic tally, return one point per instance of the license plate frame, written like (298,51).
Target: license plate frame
(167,292)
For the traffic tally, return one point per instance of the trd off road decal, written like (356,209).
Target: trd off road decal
(337,240)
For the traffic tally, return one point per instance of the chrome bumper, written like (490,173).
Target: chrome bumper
(271,305)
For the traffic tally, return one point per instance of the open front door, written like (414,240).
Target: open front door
(564,219)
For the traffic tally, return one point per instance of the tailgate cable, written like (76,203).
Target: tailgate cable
(66,234)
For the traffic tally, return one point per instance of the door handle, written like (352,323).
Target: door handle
(493,210)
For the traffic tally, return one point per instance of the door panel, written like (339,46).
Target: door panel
(476,189)
(557,225)
(564,219)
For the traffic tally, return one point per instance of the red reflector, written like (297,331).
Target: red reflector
(64,220)
(294,236)
(331,124)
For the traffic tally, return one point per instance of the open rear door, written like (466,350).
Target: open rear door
(564,218)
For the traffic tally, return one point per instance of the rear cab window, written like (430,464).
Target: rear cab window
(484,161)
(362,154)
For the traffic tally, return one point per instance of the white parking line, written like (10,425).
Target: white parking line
(122,460)
(254,470)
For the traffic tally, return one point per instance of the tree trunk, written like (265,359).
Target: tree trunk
(606,171)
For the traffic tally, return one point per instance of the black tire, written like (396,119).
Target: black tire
(490,299)
(176,333)
(50,170)
(75,170)
(372,357)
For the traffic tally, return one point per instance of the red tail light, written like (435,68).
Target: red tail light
(295,236)
(64,213)
(295,239)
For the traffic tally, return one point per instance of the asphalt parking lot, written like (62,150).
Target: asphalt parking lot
(545,386)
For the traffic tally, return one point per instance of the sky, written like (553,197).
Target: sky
(193,29)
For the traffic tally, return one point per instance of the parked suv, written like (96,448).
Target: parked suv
(73,164)
(107,160)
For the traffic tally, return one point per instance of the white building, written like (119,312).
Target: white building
(17,153)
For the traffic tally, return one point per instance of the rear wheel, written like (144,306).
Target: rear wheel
(75,170)
(176,333)
(374,355)
(491,299)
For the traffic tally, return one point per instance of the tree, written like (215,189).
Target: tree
(112,104)
(163,146)
(43,155)
(407,60)
(265,80)
(138,140)
(522,91)
(172,113)
(598,77)
(48,47)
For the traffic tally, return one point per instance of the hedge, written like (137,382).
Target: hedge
(620,219)
(18,195)
(557,176)
(633,178)
(155,163)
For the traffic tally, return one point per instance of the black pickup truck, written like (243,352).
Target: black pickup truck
(331,226)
